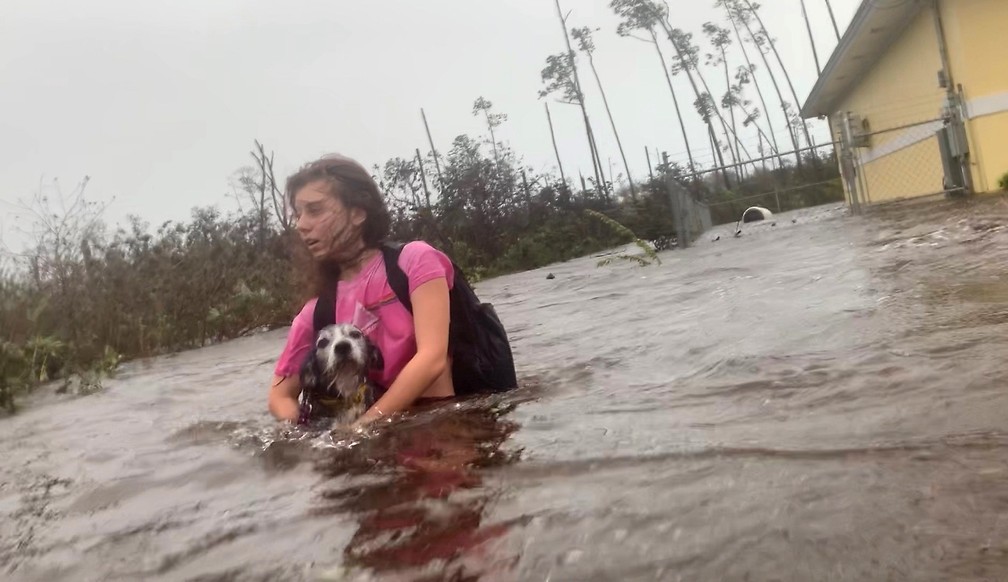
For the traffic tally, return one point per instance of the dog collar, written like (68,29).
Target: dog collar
(356,400)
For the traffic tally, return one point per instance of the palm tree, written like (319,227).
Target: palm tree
(736,98)
(752,73)
(637,16)
(737,15)
(558,75)
(587,46)
(720,39)
(493,120)
(689,62)
(561,74)
(765,37)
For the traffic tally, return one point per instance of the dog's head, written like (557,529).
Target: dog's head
(339,362)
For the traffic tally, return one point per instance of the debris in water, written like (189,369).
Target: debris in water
(551,276)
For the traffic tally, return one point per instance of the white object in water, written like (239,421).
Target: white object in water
(755,214)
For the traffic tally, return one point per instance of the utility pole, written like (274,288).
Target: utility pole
(423,177)
(437,164)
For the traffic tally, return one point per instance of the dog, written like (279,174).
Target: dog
(334,376)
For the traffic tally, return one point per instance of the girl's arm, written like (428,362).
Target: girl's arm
(431,316)
(283,397)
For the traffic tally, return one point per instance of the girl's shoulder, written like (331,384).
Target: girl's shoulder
(422,262)
(419,248)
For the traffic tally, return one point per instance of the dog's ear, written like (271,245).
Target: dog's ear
(311,374)
(375,359)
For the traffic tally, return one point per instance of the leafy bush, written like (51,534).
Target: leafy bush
(80,300)
(1003,182)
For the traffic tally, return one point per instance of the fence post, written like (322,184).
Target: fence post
(957,127)
(680,202)
(847,168)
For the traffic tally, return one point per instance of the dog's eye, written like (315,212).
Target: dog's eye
(355,334)
(323,342)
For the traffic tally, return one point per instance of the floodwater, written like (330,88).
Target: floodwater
(824,399)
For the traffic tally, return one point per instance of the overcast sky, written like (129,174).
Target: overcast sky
(159,102)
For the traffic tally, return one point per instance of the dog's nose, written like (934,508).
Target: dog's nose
(342,348)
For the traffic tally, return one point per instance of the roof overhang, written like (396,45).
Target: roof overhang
(875,27)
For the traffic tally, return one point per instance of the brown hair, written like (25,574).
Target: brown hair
(352,184)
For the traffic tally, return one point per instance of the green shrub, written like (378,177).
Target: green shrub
(1003,182)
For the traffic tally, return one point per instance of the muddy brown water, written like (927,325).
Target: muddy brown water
(824,399)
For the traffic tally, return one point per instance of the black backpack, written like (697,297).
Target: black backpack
(477,342)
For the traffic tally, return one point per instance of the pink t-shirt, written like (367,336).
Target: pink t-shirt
(368,302)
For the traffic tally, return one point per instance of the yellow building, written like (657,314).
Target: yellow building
(905,71)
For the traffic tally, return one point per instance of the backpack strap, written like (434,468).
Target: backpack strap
(325,305)
(397,278)
(325,309)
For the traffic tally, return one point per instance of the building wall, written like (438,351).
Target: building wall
(976,33)
(900,93)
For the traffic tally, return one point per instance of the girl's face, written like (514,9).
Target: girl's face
(326,225)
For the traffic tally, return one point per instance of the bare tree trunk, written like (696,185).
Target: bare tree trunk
(780,95)
(493,140)
(675,101)
(437,164)
(549,119)
(718,156)
(836,29)
(762,152)
(760,131)
(601,171)
(787,76)
(696,90)
(740,169)
(429,216)
(759,91)
(423,178)
(811,38)
(669,31)
(596,163)
(619,144)
(265,164)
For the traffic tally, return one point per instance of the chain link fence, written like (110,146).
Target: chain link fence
(901,150)
(778,182)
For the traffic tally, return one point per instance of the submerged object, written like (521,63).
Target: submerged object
(752,214)
(755,214)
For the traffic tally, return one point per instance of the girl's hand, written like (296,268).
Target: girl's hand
(283,397)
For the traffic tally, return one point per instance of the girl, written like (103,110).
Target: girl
(342,219)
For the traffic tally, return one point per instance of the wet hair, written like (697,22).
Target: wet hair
(350,182)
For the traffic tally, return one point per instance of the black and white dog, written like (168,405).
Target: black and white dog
(334,376)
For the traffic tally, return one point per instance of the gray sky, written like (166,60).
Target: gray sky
(159,102)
